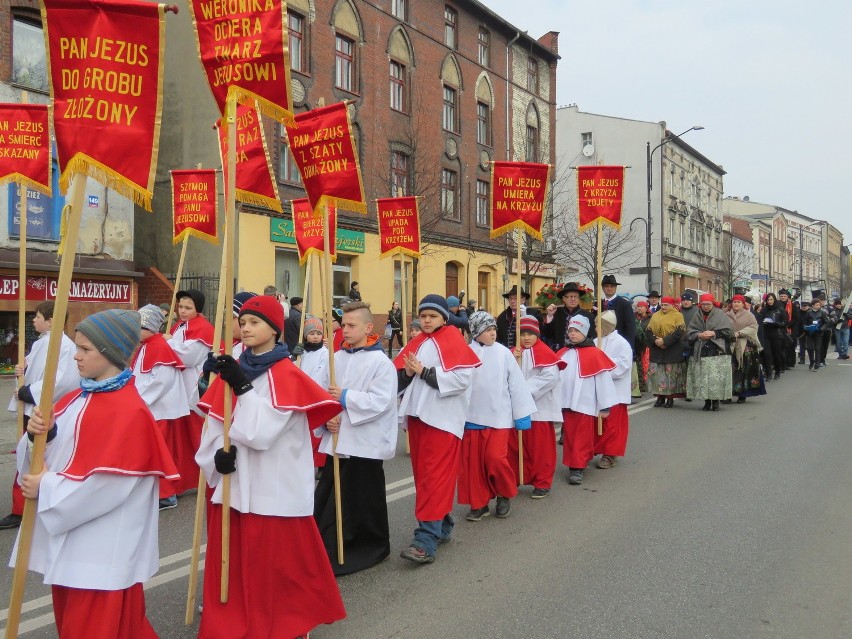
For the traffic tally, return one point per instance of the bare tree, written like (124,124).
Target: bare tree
(736,263)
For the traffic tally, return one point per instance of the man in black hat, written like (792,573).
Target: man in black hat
(291,325)
(653,302)
(828,327)
(506,331)
(556,322)
(625,322)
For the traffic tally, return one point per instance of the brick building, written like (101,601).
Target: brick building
(430,96)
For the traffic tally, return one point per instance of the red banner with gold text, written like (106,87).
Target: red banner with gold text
(194,204)
(518,197)
(242,45)
(308,229)
(105,62)
(324,150)
(254,172)
(399,226)
(25,145)
(600,194)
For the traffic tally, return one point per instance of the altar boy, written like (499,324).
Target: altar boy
(365,385)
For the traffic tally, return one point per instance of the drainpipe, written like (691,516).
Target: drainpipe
(508,82)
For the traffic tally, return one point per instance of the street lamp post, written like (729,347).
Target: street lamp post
(649,154)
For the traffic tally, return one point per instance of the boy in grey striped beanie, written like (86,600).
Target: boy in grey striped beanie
(115,333)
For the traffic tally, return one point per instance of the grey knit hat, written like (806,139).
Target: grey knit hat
(114,333)
(152,318)
(480,322)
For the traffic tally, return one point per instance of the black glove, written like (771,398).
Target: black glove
(230,370)
(226,462)
(209,365)
(297,351)
(25,395)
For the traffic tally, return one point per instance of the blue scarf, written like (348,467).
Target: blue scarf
(106,385)
(256,365)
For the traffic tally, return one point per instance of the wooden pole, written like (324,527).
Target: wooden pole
(63,287)
(599,292)
(403,302)
(22,286)
(228,275)
(519,236)
(22,297)
(201,496)
(328,295)
(178,277)
(305,290)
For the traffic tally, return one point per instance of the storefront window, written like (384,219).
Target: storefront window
(288,273)
(342,271)
(9,340)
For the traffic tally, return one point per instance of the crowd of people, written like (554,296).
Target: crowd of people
(480,409)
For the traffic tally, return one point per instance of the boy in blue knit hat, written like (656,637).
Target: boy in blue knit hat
(435,373)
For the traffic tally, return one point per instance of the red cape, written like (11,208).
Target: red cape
(198,328)
(543,356)
(131,445)
(157,353)
(452,350)
(592,360)
(338,339)
(291,390)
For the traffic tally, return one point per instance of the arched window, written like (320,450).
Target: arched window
(401,60)
(484,106)
(451,81)
(347,37)
(452,279)
(533,134)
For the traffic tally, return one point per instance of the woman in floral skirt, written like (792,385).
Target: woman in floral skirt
(667,367)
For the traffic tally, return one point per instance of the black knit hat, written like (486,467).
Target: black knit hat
(436,303)
(196,296)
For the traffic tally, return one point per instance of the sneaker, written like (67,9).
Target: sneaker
(10,521)
(606,461)
(540,493)
(504,507)
(417,555)
(575,477)
(168,503)
(478,514)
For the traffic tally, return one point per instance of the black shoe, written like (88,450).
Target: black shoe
(741,400)
(561,436)
(707,404)
(10,521)
(660,401)
(503,508)
(811,366)
(417,555)
(540,493)
(777,375)
(575,477)
(478,514)
(670,402)
(715,405)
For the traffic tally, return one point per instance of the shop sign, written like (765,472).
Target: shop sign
(537,269)
(281,231)
(683,269)
(40,288)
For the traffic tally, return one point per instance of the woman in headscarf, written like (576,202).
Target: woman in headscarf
(666,368)
(710,376)
(747,374)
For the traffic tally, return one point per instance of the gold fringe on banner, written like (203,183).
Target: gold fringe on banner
(519,225)
(82,163)
(401,250)
(30,184)
(252,99)
(256,199)
(304,258)
(195,233)
(339,203)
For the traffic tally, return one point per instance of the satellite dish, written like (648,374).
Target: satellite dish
(589,150)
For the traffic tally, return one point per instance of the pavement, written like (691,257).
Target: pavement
(734,524)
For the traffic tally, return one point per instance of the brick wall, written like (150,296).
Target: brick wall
(154,288)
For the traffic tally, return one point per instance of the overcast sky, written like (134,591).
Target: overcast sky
(771,80)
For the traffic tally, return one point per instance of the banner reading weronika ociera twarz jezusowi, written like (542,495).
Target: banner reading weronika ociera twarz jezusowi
(243,47)
(399,226)
(324,150)
(518,197)
(25,146)
(600,194)
(254,171)
(194,204)
(105,64)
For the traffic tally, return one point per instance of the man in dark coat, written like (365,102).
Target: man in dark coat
(792,327)
(556,322)
(653,302)
(291,325)
(506,331)
(623,309)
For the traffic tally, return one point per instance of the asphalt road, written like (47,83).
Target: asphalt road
(734,524)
